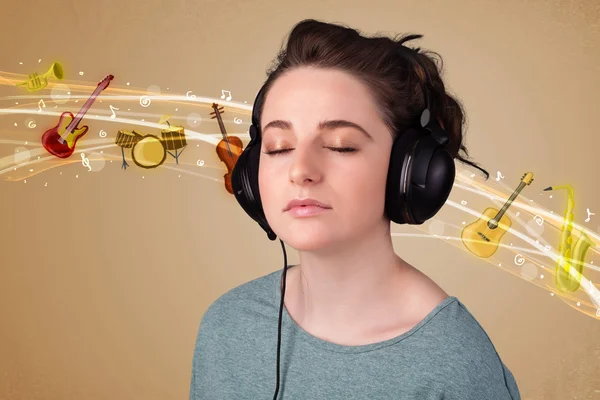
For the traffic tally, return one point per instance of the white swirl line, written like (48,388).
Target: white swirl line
(145,101)
(519,260)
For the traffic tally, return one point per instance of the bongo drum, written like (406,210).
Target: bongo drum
(148,152)
(127,139)
(173,138)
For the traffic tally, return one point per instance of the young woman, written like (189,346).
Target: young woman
(359,322)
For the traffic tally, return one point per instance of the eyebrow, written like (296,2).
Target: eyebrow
(327,124)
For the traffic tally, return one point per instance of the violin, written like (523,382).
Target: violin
(229,149)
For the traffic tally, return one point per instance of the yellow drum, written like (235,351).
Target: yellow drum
(149,152)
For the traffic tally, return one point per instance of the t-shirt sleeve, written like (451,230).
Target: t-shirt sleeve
(511,384)
(203,360)
(482,381)
(473,368)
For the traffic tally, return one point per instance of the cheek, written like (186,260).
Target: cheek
(268,186)
(366,189)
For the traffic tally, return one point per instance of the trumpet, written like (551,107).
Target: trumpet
(569,268)
(37,82)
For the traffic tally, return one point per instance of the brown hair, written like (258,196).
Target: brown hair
(393,73)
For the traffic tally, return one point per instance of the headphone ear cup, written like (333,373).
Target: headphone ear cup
(398,180)
(432,177)
(244,181)
(239,180)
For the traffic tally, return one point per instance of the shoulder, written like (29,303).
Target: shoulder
(225,322)
(472,367)
(228,332)
(254,295)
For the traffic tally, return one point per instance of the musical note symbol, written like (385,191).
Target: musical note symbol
(589,214)
(41,103)
(112,109)
(223,95)
(499,176)
(237,120)
(85,162)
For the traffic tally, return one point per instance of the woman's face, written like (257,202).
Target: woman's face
(351,183)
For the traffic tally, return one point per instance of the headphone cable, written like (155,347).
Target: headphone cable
(280,315)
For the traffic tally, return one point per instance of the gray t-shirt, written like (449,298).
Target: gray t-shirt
(447,355)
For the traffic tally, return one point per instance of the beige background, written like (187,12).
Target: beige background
(104,278)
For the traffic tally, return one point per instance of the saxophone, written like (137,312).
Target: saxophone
(568,279)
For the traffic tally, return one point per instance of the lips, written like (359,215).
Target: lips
(306,211)
(305,202)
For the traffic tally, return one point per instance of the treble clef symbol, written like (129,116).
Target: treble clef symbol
(85,162)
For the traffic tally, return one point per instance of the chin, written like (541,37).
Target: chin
(305,239)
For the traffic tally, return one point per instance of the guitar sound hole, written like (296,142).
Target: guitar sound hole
(483,236)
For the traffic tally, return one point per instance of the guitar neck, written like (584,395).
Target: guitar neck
(509,201)
(83,111)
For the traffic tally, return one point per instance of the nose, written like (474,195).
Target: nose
(305,167)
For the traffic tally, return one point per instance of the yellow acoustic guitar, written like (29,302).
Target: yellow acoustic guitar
(482,236)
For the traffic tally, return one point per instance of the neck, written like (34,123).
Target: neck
(345,283)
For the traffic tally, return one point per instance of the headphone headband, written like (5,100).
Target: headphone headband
(258,102)
(426,120)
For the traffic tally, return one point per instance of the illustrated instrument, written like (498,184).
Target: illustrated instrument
(229,149)
(483,236)
(61,139)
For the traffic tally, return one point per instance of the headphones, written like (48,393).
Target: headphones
(420,175)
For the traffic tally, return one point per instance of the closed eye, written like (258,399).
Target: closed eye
(336,149)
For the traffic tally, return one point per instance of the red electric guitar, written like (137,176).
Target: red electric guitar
(61,139)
